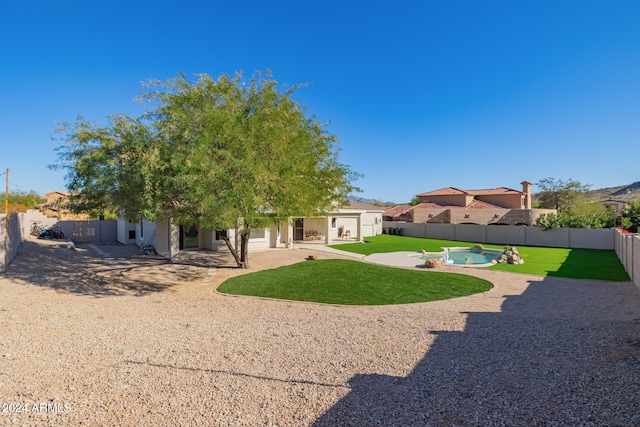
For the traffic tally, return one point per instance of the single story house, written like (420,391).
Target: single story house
(353,222)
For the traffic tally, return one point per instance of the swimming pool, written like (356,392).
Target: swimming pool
(465,256)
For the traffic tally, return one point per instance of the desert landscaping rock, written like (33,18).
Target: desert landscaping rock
(130,339)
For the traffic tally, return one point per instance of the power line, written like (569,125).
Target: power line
(23,187)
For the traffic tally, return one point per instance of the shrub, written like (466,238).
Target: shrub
(597,220)
(632,215)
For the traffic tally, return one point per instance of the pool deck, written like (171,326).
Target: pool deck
(396,259)
(392,259)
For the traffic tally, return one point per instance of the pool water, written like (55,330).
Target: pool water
(468,257)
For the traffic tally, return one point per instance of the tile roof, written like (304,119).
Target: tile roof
(396,210)
(64,193)
(444,192)
(362,206)
(479,204)
(491,191)
(451,191)
(429,205)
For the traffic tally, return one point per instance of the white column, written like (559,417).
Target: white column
(327,229)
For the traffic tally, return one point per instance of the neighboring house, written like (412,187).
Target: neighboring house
(619,200)
(353,222)
(57,206)
(615,206)
(504,206)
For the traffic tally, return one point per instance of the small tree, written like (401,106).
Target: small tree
(560,195)
(21,201)
(583,206)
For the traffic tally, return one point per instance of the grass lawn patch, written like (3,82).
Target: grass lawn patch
(383,243)
(574,263)
(559,262)
(336,281)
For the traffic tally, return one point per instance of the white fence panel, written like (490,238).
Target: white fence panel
(440,231)
(501,234)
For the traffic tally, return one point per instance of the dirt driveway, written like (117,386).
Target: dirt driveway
(97,270)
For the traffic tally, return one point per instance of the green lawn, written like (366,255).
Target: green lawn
(388,243)
(335,281)
(559,262)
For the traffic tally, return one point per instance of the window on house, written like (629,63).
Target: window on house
(257,234)
(132,234)
(334,222)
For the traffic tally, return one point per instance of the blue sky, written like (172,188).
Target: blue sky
(422,94)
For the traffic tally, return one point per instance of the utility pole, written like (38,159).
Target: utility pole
(6,208)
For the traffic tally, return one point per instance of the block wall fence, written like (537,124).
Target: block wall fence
(91,231)
(594,238)
(627,247)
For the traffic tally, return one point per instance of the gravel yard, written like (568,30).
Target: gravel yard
(104,336)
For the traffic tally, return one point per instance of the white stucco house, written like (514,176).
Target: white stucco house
(353,222)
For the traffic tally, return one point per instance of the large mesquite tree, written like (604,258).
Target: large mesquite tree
(221,153)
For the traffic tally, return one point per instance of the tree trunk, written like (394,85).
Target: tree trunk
(224,236)
(244,248)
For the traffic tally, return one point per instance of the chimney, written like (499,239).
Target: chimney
(526,189)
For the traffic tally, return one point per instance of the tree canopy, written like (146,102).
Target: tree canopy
(217,152)
(632,215)
(561,195)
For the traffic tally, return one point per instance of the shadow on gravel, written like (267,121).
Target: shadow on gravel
(206,258)
(111,270)
(517,367)
(237,374)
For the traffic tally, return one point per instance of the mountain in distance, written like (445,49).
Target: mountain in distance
(622,193)
(372,202)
